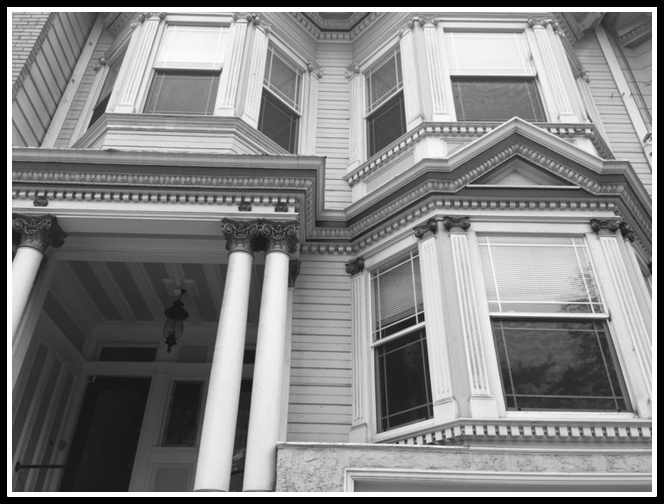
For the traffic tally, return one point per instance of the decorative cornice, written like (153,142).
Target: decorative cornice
(635,33)
(355,266)
(293,271)
(421,229)
(279,236)
(532,431)
(335,31)
(450,222)
(40,201)
(38,231)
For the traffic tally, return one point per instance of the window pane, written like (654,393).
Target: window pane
(384,81)
(192,46)
(551,365)
(404,391)
(283,79)
(496,100)
(488,54)
(183,414)
(386,124)
(278,122)
(182,92)
(544,275)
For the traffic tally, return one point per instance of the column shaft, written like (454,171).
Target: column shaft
(265,411)
(215,457)
(24,271)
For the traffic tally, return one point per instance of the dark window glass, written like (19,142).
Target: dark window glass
(494,99)
(183,414)
(127,354)
(278,122)
(404,391)
(107,88)
(386,124)
(182,92)
(558,365)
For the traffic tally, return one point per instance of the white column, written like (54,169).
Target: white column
(266,398)
(482,403)
(229,81)
(215,456)
(444,404)
(138,54)
(37,233)
(357,131)
(439,74)
(411,92)
(307,145)
(253,90)
(361,337)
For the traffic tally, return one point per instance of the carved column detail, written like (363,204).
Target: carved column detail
(445,407)
(543,34)
(230,75)
(438,73)
(38,231)
(310,109)
(357,133)
(451,222)
(143,39)
(422,229)
(361,336)
(614,225)
(411,92)
(355,266)
(254,84)
(638,332)
(293,272)
(241,235)
(278,235)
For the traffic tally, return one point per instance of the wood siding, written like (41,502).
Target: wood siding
(623,138)
(320,382)
(43,63)
(333,124)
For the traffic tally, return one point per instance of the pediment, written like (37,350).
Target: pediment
(520,173)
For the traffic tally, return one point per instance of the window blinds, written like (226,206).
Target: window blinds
(539,275)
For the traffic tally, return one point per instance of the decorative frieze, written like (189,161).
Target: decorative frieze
(421,229)
(355,266)
(38,231)
(456,222)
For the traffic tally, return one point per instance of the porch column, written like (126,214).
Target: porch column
(215,457)
(265,411)
(36,233)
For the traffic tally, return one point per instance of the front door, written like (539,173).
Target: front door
(102,454)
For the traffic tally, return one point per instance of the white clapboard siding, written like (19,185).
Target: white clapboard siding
(320,377)
(43,77)
(614,116)
(333,121)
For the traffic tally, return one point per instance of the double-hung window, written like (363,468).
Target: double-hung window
(281,101)
(550,326)
(403,389)
(385,113)
(493,77)
(186,70)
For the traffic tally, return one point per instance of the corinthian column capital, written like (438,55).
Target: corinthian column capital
(38,231)
(279,235)
(241,235)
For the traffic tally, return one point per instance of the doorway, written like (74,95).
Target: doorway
(103,449)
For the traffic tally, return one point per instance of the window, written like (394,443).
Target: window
(386,116)
(280,104)
(493,77)
(550,325)
(106,90)
(187,69)
(399,344)
(184,411)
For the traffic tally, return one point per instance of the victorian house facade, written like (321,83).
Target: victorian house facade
(331,252)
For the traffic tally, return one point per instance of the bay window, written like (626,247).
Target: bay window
(186,70)
(385,113)
(403,389)
(281,101)
(550,325)
(106,90)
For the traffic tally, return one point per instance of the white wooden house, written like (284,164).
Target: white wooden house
(413,250)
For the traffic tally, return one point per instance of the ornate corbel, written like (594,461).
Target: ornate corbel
(355,266)
(612,225)
(421,229)
(351,71)
(314,68)
(544,22)
(281,206)
(450,222)
(293,271)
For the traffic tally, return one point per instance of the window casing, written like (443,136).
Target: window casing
(281,100)
(493,77)
(385,110)
(106,90)
(403,389)
(186,70)
(550,326)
